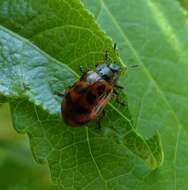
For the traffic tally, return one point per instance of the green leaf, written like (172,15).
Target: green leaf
(36,66)
(153,34)
(33,75)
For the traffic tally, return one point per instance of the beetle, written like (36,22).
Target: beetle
(86,99)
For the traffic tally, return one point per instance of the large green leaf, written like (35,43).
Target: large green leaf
(78,158)
(153,34)
(27,74)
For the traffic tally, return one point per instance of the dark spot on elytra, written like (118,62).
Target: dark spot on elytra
(108,91)
(68,97)
(100,89)
(81,122)
(81,109)
(91,98)
(79,89)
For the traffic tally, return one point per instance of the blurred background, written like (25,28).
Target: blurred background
(18,170)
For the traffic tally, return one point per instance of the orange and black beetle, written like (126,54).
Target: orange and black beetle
(86,98)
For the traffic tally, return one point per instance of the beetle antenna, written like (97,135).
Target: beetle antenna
(133,66)
(115,47)
(106,56)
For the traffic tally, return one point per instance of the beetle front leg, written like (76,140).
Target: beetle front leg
(82,69)
(99,123)
(118,98)
(60,94)
(118,86)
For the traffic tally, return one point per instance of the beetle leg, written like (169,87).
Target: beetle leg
(100,62)
(82,70)
(134,66)
(115,47)
(120,102)
(103,113)
(99,123)
(116,92)
(60,94)
(26,86)
(99,119)
(117,86)
(106,56)
(118,98)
